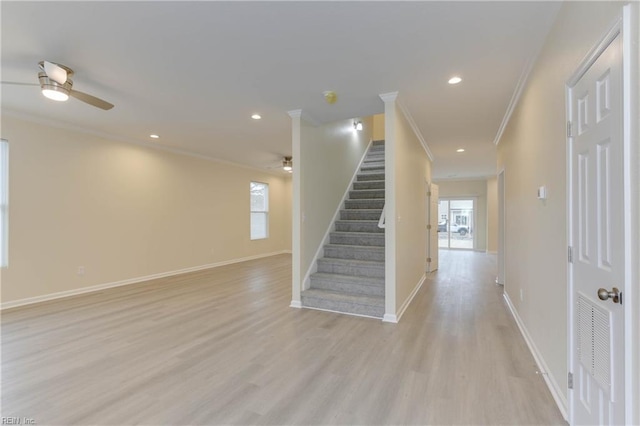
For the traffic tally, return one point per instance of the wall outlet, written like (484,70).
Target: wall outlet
(521,295)
(80,271)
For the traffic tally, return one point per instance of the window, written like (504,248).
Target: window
(4,202)
(259,210)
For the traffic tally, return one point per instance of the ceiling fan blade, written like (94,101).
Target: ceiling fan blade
(55,72)
(17,83)
(91,100)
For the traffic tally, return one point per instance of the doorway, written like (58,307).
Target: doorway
(456,223)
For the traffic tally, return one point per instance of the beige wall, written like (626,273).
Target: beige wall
(472,189)
(123,211)
(412,172)
(329,157)
(378,127)
(492,215)
(532,152)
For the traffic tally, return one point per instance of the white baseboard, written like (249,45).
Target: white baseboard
(390,318)
(549,379)
(407,302)
(296,304)
(94,288)
(340,312)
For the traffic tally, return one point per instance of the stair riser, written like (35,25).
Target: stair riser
(354,253)
(350,308)
(377,158)
(368,185)
(364,204)
(354,270)
(363,289)
(358,227)
(355,214)
(369,176)
(373,167)
(357,240)
(366,194)
(378,143)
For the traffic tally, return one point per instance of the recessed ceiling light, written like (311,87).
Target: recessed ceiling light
(460,150)
(256,116)
(455,80)
(154,136)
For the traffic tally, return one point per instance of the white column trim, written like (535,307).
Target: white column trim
(390,205)
(296,217)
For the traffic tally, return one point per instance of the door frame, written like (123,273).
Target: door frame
(627,27)
(432,233)
(502,228)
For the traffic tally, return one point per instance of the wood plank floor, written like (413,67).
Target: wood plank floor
(222,347)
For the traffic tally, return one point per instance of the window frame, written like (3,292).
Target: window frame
(265,212)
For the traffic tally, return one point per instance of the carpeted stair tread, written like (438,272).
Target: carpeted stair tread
(364,203)
(358,226)
(354,252)
(344,302)
(352,278)
(364,176)
(368,184)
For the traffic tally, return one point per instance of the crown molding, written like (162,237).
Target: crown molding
(517,93)
(116,138)
(415,129)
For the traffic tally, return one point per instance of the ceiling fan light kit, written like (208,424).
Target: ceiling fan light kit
(287,164)
(54,90)
(56,84)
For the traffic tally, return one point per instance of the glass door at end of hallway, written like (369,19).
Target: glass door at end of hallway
(455,223)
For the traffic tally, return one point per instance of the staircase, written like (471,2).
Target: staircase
(350,276)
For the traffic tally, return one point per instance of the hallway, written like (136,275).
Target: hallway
(222,346)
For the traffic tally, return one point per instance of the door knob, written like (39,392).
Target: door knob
(614,294)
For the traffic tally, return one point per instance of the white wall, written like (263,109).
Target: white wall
(476,189)
(329,157)
(532,152)
(123,211)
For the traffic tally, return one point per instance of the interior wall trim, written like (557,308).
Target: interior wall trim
(407,302)
(549,379)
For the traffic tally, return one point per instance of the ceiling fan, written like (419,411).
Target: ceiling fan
(285,164)
(55,82)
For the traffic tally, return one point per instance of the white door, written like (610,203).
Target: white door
(597,240)
(433,231)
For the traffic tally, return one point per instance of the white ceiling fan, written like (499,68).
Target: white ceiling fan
(55,83)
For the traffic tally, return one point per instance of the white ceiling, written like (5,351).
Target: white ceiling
(194,72)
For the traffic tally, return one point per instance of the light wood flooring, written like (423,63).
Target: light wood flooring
(222,347)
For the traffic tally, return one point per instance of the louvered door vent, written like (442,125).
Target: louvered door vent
(594,341)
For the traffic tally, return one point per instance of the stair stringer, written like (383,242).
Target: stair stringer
(306,282)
